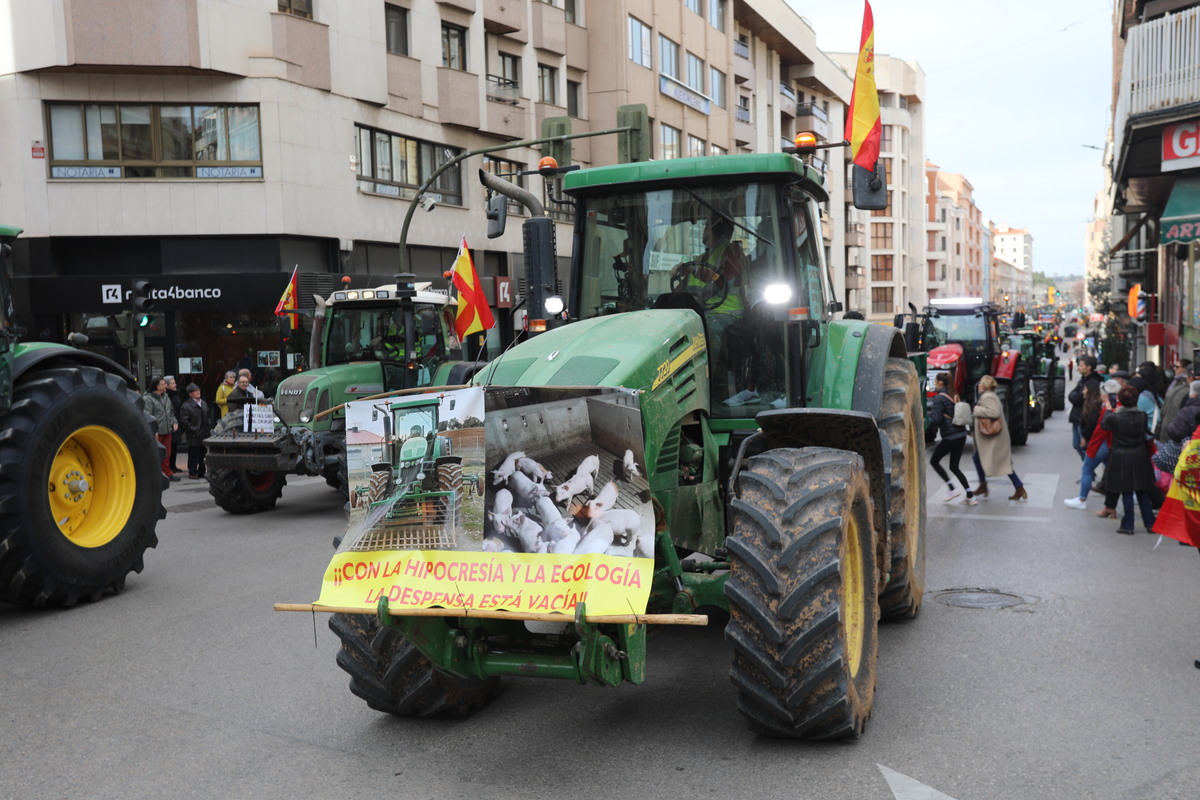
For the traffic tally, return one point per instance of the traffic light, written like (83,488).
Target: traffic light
(559,151)
(634,144)
(122,330)
(140,302)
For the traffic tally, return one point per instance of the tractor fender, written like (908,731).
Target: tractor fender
(1006,364)
(843,430)
(855,364)
(62,355)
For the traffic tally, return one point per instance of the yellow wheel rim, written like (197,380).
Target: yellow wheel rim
(854,597)
(91,486)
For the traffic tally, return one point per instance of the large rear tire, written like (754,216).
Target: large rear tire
(803,606)
(394,677)
(335,471)
(901,414)
(81,487)
(1018,414)
(1058,393)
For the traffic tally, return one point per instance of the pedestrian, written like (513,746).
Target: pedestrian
(1103,437)
(158,405)
(196,420)
(250,387)
(1070,369)
(1188,418)
(1097,446)
(1129,471)
(1146,383)
(1087,378)
(954,438)
(240,396)
(177,436)
(993,452)
(227,386)
(1177,395)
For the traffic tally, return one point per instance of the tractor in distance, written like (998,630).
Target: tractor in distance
(81,479)
(962,337)
(782,448)
(365,341)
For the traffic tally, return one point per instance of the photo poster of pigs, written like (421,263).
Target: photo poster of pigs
(540,502)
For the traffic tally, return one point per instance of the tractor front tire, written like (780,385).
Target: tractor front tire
(335,471)
(802,590)
(81,486)
(1058,393)
(901,414)
(1018,417)
(394,677)
(245,491)
(450,479)
(380,487)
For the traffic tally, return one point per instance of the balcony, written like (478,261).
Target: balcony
(503,17)
(742,50)
(811,117)
(549,28)
(743,71)
(1135,264)
(404,85)
(742,114)
(856,234)
(787,100)
(856,279)
(458,97)
(1160,71)
(503,90)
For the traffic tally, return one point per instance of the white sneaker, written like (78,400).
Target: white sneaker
(969,501)
(1075,502)
(950,495)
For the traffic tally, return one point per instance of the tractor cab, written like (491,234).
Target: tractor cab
(962,337)
(741,251)
(375,329)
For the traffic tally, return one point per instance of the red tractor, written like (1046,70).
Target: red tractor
(962,337)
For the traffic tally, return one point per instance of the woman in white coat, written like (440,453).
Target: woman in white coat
(993,454)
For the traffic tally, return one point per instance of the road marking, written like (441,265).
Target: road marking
(969,514)
(1041,488)
(906,788)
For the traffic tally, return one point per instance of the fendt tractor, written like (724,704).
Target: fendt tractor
(962,337)
(365,342)
(782,448)
(81,481)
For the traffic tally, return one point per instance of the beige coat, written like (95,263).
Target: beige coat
(995,452)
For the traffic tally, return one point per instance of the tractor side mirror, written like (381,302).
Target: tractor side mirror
(870,188)
(898,321)
(497,215)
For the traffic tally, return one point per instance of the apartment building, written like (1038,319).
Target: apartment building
(214,145)
(955,236)
(1155,173)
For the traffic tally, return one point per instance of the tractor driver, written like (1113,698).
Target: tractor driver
(389,345)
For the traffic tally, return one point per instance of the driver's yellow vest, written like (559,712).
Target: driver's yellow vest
(733,302)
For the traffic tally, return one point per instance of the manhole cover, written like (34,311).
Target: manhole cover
(980,598)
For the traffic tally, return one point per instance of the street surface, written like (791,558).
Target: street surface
(189,685)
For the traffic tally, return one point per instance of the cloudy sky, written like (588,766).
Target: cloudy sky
(1016,95)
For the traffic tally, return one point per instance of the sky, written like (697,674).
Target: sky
(1017,95)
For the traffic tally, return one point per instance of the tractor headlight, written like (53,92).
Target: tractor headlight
(420,476)
(554,305)
(306,415)
(777,293)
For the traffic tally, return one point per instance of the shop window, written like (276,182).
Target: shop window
(396,166)
(147,140)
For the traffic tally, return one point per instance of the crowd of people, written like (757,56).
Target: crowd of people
(185,421)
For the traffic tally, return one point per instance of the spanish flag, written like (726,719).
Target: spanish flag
(863,128)
(1179,516)
(290,301)
(474,315)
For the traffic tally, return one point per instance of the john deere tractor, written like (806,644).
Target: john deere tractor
(80,468)
(783,453)
(366,341)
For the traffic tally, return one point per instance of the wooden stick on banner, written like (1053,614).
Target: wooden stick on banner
(618,619)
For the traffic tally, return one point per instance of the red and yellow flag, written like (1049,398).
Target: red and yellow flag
(863,128)
(290,301)
(474,314)
(1179,517)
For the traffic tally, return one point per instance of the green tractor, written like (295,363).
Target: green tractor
(81,477)
(783,451)
(418,487)
(365,342)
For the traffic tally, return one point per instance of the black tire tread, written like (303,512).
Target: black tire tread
(231,488)
(900,597)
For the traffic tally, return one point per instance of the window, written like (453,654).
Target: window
(510,171)
(669,138)
(299,8)
(454,46)
(716,86)
(695,73)
(881,299)
(639,42)
(716,14)
(668,57)
(881,268)
(741,47)
(887,168)
(885,138)
(510,68)
(396,166)
(505,86)
(574,96)
(693,5)
(742,112)
(547,84)
(881,235)
(695,146)
(141,140)
(396,28)
(884,212)
(572,13)
(717,150)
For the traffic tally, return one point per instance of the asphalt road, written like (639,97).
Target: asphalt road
(188,685)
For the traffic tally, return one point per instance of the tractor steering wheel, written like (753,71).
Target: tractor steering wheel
(710,295)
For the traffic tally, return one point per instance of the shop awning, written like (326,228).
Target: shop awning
(1180,222)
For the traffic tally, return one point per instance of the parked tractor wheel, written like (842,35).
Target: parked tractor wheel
(1037,415)
(803,604)
(1018,413)
(335,472)
(380,487)
(1041,388)
(1058,393)
(81,487)
(450,479)
(394,677)
(901,597)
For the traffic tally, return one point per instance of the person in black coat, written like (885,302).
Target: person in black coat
(196,421)
(241,396)
(1188,417)
(954,438)
(1129,469)
(177,436)
(1089,378)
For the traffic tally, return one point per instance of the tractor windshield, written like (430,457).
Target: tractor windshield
(967,327)
(715,249)
(376,332)
(415,423)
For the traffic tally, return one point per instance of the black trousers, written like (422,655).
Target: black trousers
(953,448)
(196,453)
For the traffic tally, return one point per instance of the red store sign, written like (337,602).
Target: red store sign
(1181,146)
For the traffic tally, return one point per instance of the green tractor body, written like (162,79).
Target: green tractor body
(782,450)
(80,468)
(366,342)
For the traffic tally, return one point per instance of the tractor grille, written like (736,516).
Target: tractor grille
(289,398)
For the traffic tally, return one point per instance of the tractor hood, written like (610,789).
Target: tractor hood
(301,396)
(944,356)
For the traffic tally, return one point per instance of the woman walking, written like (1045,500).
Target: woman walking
(1129,469)
(954,437)
(1097,445)
(993,452)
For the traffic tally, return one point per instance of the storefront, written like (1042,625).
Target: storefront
(1179,236)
